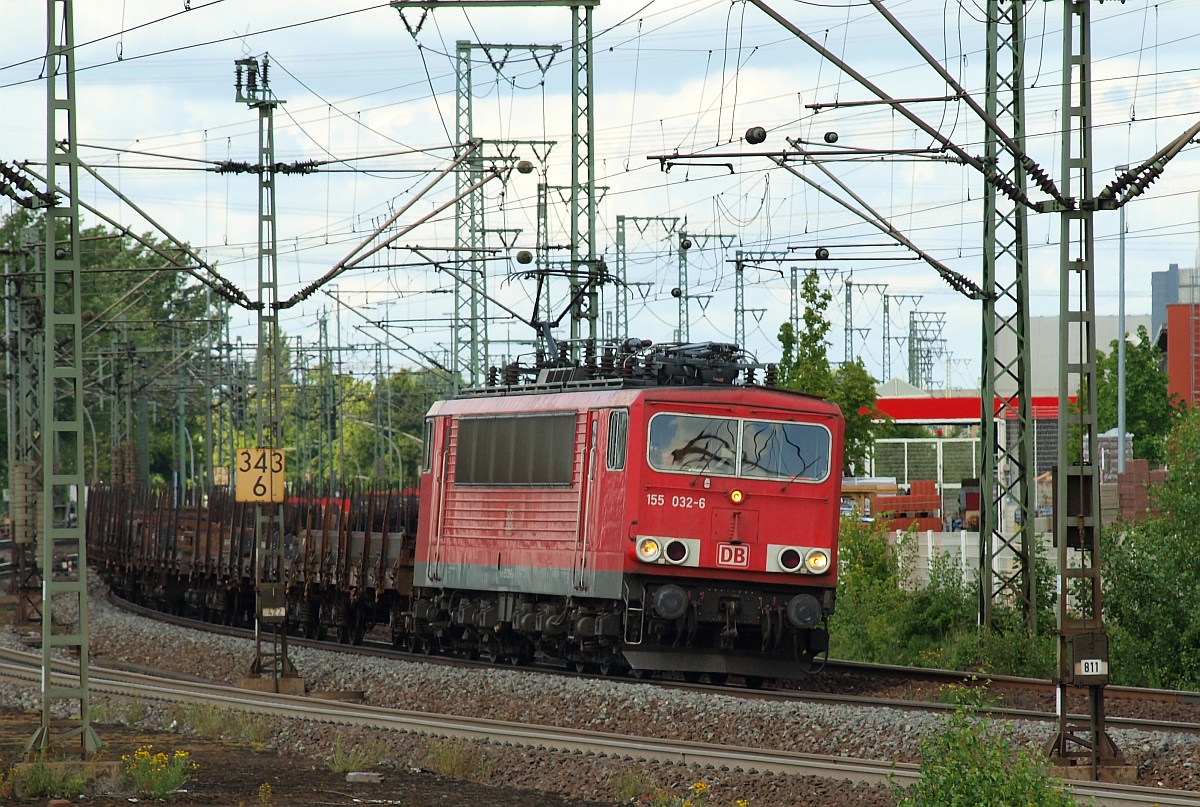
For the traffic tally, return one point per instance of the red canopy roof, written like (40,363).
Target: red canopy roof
(928,409)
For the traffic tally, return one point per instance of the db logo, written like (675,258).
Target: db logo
(733,555)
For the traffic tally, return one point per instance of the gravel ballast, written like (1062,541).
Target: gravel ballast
(618,706)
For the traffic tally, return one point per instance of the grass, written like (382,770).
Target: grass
(629,784)
(41,778)
(210,721)
(117,710)
(457,758)
(350,757)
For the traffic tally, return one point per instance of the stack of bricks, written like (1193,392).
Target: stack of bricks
(1133,492)
(920,508)
(1110,508)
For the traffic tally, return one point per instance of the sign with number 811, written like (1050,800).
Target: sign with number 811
(260,473)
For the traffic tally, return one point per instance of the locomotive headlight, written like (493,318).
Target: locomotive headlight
(817,561)
(676,552)
(736,496)
(648,550)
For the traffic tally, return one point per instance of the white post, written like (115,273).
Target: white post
(962,554)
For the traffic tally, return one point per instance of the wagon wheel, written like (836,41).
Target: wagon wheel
(691,677)
(718,679)
(754,681)
(642,675)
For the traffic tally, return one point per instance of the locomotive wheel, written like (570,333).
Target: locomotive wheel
(520,653)
(343,634)
(489,651)
(607,667)
(641,675)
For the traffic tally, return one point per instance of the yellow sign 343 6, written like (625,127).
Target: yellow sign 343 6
(260,474)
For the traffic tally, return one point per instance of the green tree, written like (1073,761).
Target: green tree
(1149,408)
(1152,576)
(138,316)
(804,367)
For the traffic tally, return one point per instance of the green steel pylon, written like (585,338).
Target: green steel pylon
(63,496)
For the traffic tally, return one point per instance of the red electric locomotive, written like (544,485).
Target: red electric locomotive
(658,512)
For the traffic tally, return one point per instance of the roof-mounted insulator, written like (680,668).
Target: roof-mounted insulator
(512,374)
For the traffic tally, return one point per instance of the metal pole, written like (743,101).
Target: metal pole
(1121,344)
(270,617)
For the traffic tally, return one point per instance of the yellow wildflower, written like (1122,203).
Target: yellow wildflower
(699,787)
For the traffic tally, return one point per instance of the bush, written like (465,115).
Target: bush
(883,615)
(968,761)
(156,776)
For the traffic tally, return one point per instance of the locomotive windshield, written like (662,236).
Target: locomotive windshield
(784,450)
(758,449)
(690,443)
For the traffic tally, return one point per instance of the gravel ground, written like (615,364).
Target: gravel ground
(1169,760)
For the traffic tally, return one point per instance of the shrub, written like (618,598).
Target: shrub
(156,776)
(969,761)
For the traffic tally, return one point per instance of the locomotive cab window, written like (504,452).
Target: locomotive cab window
(515,450)
(774,450)
(693,444)
(618,433)
(754,449)
(427,447)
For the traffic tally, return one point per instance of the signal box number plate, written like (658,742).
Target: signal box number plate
(737,555)
(260,473)
(1091,666)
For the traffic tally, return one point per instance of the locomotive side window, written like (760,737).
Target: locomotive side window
(427,447)
(618,432)
(784,450)
(515,450)
(692,443)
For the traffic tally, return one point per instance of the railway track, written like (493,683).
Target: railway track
(834,667)
(26,667)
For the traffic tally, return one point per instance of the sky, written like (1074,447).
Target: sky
(156,106)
